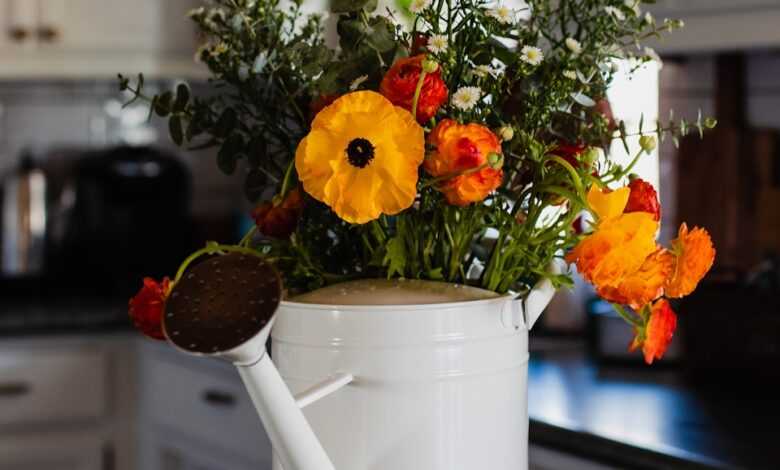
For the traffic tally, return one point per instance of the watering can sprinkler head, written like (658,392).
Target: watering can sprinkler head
(225,307)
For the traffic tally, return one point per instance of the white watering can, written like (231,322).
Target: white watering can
(435,382)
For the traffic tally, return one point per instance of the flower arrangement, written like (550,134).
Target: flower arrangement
(455,140)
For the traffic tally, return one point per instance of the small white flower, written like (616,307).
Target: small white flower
(437,43)
(570,74)
(573,45)
(484,70)
(615,13)
(523,10)
(417,6)
(633,5)
(243,72)
(653,55)
(503,14)
(466,97)
(649,18)
(357,82)
(531,55)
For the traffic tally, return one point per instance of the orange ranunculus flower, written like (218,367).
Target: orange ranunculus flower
(460,148)
(643,198)
(146,308)
(643,286)
(695,255)
(400,83)
(619,245)
(279,220)
(656,336)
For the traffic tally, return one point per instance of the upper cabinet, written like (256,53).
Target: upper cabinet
(719,25)
(97,38)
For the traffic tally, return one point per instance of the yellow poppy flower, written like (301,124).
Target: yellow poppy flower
(361,157)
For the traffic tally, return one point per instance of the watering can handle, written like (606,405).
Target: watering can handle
(541,295)
(291,435)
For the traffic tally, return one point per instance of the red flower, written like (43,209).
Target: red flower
(571,153)
(419,43)
(400,83)
(643,198)
(279,220)
(146,308)
(656,336)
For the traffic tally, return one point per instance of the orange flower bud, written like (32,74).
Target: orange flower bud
(146,308)
(460,149)
(279,220)
(400,84)
(656,336)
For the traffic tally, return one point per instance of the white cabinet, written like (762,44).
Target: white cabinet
(54,451)
(196,414)
(96,38)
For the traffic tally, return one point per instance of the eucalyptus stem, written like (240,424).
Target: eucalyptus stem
(210,249)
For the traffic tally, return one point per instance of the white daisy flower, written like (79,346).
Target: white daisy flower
(417,6)
(523,10)
(485,70)
(653,55)
(573,45)
(531,55)
(503,14)
(570,74)
(357,82)
(466,97)
(633,5)
(437,43)
(615,13)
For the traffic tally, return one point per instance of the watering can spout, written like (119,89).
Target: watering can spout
(232,321)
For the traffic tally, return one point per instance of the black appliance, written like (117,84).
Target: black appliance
(130,218)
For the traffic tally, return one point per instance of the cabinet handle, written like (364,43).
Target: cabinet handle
(18,33)
(14,389)
(48,33)
(219,398)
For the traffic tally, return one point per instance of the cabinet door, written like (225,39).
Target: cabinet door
(53,452)
(117,26)
(18,25)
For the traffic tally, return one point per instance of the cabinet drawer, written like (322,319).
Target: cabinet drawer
(52,386)
(212,407)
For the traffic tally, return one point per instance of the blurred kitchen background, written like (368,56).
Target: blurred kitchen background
(104,197)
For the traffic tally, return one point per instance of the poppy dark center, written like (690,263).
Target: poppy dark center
(360,152)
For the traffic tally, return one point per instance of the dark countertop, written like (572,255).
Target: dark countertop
(53,314)
(639,417)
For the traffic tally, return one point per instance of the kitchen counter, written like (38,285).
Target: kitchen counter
(648,417)
(34,315)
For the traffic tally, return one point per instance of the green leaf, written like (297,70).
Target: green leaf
(162,105)
(182,98)
(256,151)
(380,36)
(229,153)
(255,183)
(349,6)
(176,129)
(395,256)
(226,123)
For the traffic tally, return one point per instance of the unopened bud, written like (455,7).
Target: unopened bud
(590,156)
(429,65)
(506,133)
(648,143)
(710,123)
(495,160)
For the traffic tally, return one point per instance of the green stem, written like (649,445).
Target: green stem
(211,249)
(630,319)
(438,179)
(287,179)
(417,92)
(248,237)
